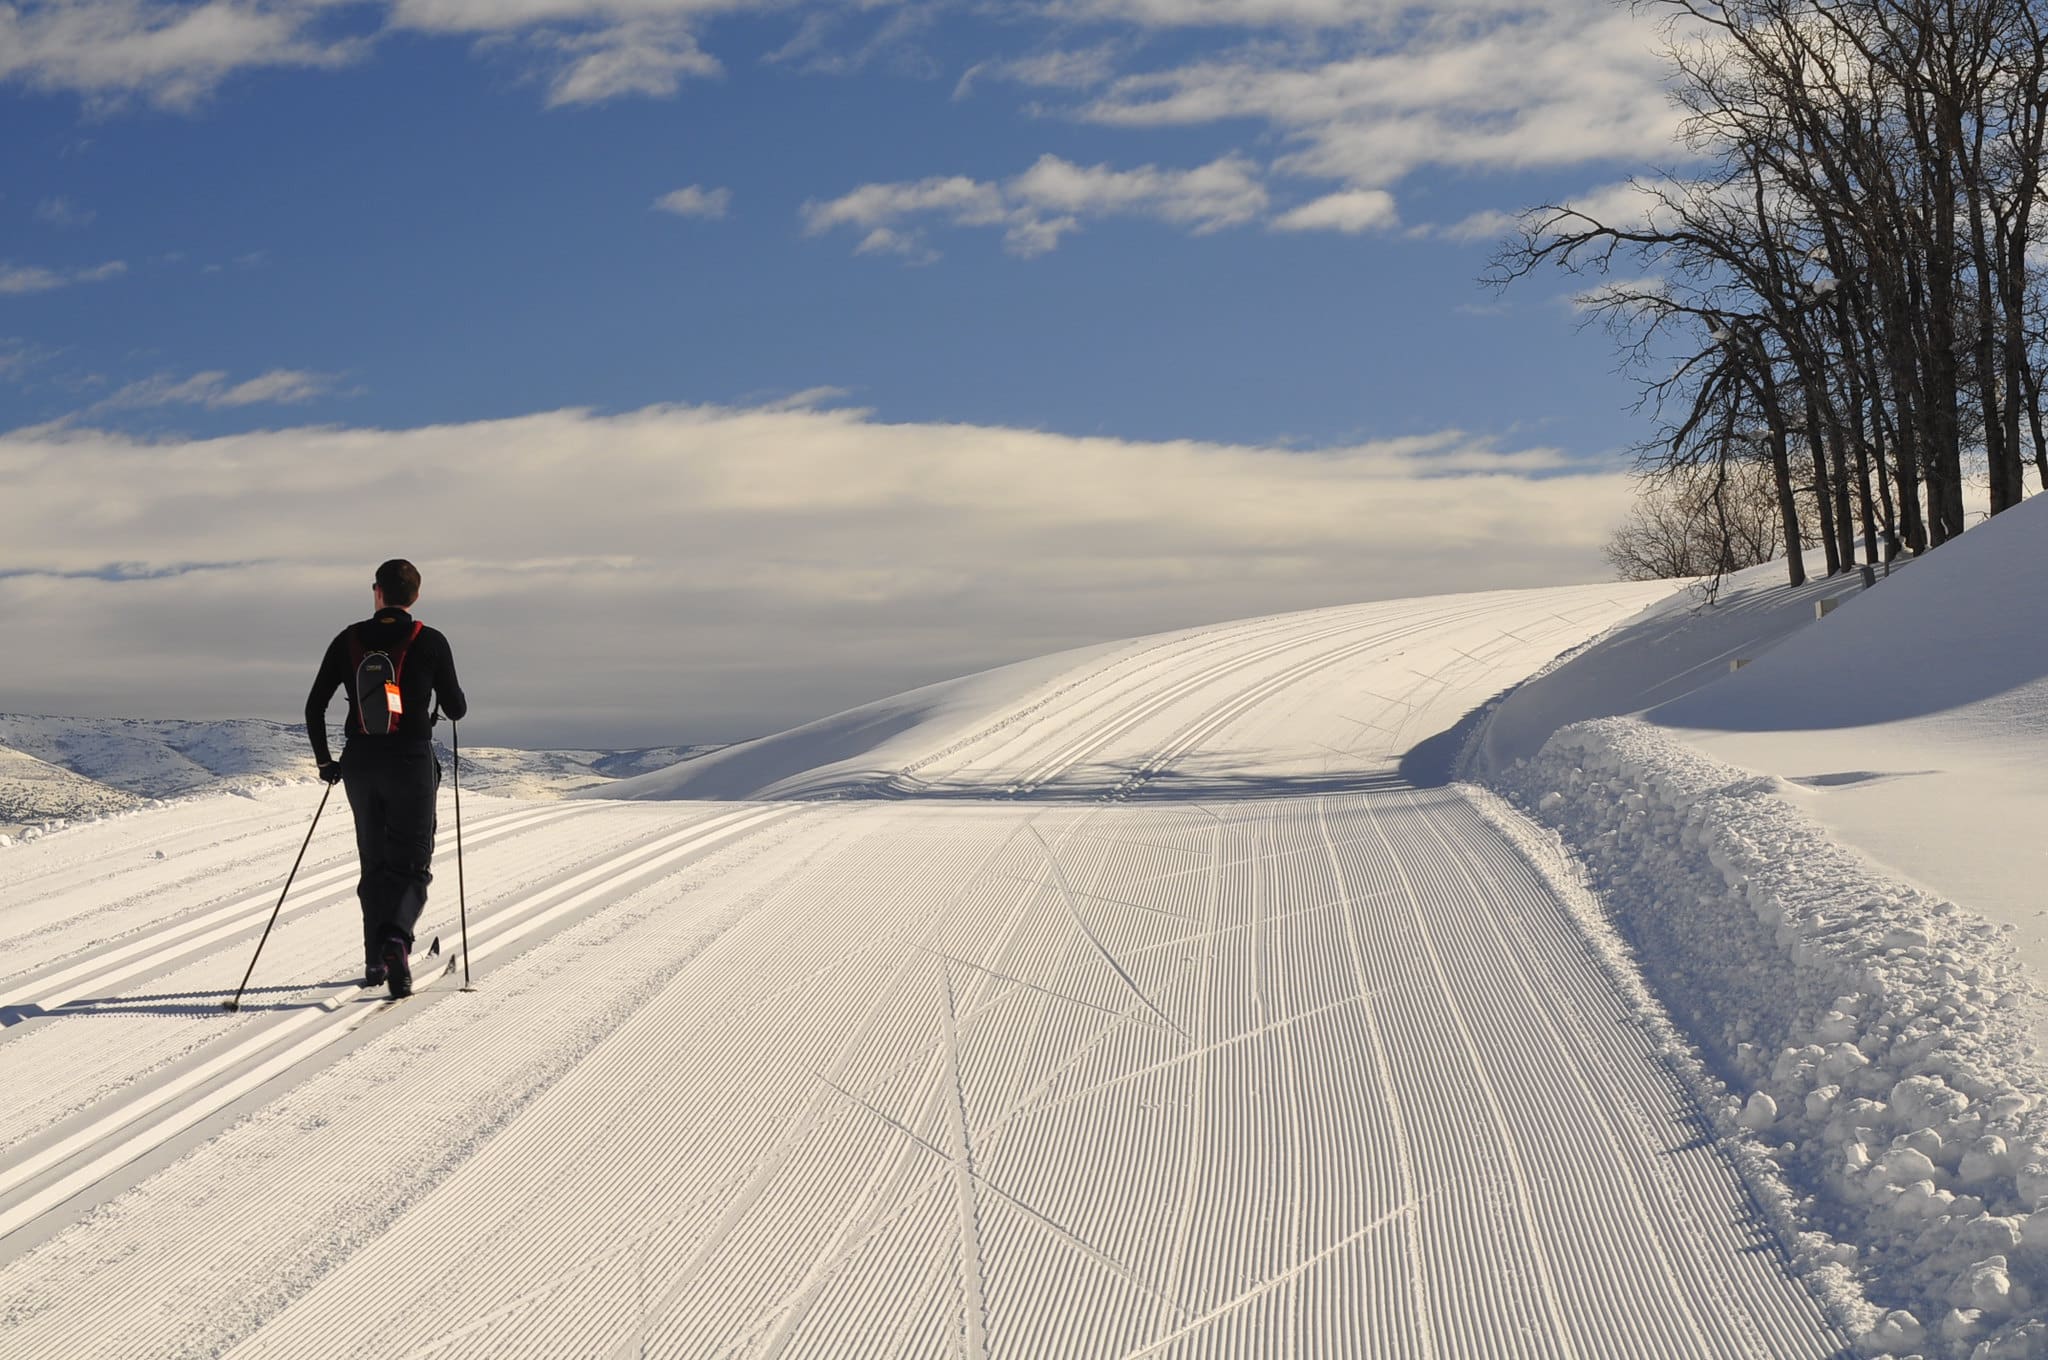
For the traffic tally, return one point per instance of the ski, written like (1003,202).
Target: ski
(356,993)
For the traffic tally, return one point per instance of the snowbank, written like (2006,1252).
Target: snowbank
(1913,723)
(1676,646)
(1873,1037)
(1963,632)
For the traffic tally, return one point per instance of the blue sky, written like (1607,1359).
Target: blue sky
(1252,225)
(428,236)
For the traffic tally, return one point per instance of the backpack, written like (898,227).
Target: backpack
(378,703)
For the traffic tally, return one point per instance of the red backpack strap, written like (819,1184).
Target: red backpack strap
(404,649)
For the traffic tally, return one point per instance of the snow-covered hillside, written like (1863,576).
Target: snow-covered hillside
(158,758)
(34,791)
(1161,998)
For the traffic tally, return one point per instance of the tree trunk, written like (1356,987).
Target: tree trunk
(1853,399)
(1781,474)
(2032,380)
(1823,499)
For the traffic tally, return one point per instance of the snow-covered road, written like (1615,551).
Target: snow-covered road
(1179,1071)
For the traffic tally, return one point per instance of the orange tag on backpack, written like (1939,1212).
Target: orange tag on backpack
(393,703)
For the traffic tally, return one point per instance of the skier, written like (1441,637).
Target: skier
(390,665)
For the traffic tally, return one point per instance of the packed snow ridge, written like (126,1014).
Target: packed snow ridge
(1869,1032)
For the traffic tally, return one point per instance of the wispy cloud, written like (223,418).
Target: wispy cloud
(122,571)
(716,571)
(810,398)
(62,213)
(213,390)
(18,357)
(1059,69)
(695,201)
(37,279)
(844,40)
(1036,208)
(649,56)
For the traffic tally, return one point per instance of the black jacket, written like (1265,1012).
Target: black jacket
(429,674)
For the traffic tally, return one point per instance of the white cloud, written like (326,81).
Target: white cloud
(1046,201)
(1488,224)
(695,201)
(36,279)
(1473,90)
(1352,211)
(170,54)
(1625,204)
(960,199)
(889,241)
(176,53)
(1176,14)
(498,16)
(712,571)
(1223,193)
(279,387)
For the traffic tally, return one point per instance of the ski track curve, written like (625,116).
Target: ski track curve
(1333,1074)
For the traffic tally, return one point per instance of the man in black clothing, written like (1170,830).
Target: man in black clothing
(391,776)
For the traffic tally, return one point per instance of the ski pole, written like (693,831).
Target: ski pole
(461,893)
(236,1004)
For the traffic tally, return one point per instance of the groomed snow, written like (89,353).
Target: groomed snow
(1298,1053)
(1330,698)
(1159,997)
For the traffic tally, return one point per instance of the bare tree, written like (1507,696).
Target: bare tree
(1849,259)
(1701,522)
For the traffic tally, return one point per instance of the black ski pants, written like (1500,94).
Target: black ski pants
(391,790)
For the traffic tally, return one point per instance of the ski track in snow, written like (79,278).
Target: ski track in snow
(1335,1073)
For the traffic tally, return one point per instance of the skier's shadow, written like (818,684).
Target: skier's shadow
(196,1004)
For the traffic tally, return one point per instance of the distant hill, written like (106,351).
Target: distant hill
(59,767)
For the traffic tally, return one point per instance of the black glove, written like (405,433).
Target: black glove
(330,770)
